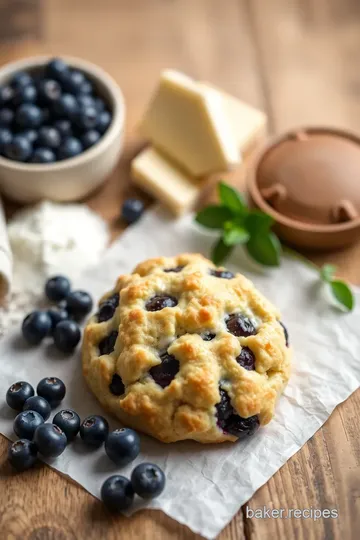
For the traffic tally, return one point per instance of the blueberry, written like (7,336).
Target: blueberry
(69,422)
(5,138)
(132,210)
(108,307)
(52,389)
(79,304)
(70,147)
(25,94)
(28,115)
(66,106)
(103,121)
(165,372)
(86,101)
(160,301)
(148,480)
(22,454)
(73,81)
(246,359)
(6,95)
(122,446)
(49,137)
(18,393)
(26,423)
(117,493)
(94,430)
(86,88)
(106,345)
(49,91)
(18,149)
(57,288)
(6,117)
(67,336)
(176,269)
(286,334)
(240,326)
(116,386)
(56,316)
(30,134)
(43,155)
(90,138)
(38,404)
(56,69)
(36,326)
(224,274)
(87,117)
(230,422)
(99,104)
(21,79)
(64,127)
(50,440)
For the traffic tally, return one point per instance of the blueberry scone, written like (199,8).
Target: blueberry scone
(181,349)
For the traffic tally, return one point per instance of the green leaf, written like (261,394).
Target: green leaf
(213,216)
(258,221)
(327,272)
(342,293)
(234,234)
(265,248)
(231,198)
(220,251)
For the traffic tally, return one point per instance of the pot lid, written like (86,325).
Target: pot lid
(312,176)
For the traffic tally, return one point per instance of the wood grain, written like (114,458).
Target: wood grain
(298,60)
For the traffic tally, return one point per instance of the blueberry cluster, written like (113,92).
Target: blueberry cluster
(61,322)
(50,115)
(36,436)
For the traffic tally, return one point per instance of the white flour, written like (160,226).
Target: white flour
(47,239)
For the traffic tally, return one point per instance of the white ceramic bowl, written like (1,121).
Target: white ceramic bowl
(73,178)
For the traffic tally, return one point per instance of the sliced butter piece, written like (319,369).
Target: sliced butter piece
(154,172)
(190,125)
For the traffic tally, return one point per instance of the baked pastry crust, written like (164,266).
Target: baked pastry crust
(204,354)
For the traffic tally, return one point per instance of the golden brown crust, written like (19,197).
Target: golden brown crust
(185,409)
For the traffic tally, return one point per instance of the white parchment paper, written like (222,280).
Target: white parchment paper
(206,485)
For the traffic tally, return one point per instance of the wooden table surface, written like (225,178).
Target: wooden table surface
(299,61)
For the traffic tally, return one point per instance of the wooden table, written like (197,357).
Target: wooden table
(298,60)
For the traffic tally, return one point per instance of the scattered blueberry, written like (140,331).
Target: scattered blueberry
(117,493)
(17,395)
(49,137)
(132,210)
(122,446)
(52,389)
(106,345)
(148,480)
(43,155)
(108,307)
(70,147)
(21,79)
(50,440)
(57,288)
(5,138)
(94,430)
(18,149)
(56,316)
(117,387)
(160,301)
(36,326)
(25,94)
(176,269)
(56,69)
(240,326)
(28,115)
(79,304)
(26,423)
(224,274)
(6,95)
(286,333)
(230,422)
(90,138)
(165,372)
(246,359)
(6,117)
(208,336)
(22,454)
(39,405)
(64,127)
(67,335)
(49,91)
(66,106)
(103,121)
(69,422)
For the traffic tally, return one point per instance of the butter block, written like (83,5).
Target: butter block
(190,125)
(160,177)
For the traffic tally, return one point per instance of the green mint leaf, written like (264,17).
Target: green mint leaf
(258,221)
(235,235)
(220,251)
(231,198)
(213,216)
(327,272)
(342,293)
(265,248)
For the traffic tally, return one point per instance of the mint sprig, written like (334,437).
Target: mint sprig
(238,224)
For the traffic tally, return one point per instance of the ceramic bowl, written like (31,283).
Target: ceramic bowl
(73,178)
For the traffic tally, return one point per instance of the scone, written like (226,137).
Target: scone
(181,349)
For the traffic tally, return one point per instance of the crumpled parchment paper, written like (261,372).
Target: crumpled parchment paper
(206,485)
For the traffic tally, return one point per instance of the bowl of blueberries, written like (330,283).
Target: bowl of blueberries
(61,128)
